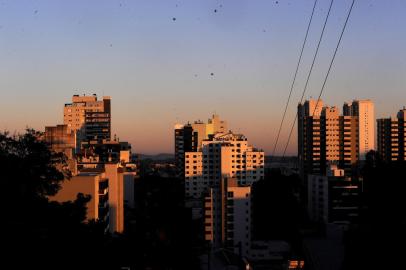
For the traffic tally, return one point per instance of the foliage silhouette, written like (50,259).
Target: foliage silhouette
(380,238)
(36,228)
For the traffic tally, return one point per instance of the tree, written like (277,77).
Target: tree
(276,211)
(34,226)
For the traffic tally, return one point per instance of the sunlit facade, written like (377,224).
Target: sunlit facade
(364,110)
(95,184)
(227,217)
(85,138)
(89,117)
(189,138)
(224,155)
(326,137)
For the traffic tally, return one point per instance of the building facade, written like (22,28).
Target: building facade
(87,130)
(89,117)
(364,110)
(326,137)
(61,139)
(224,155)
(228,217)
(189,138)
(333,198)
(95,184)
(392,137)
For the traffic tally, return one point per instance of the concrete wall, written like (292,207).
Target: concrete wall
(86,184)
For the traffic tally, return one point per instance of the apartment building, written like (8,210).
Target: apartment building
(89,117)
(189,138)
(113,158)
(392,137)
(223,155)
(364,110)
(333,198)
(93,183)
(87,127)
(227,216)
(326,137)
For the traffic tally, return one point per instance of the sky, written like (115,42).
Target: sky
(165,62)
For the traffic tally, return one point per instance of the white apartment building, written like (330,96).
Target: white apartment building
(227,216)
(224,155)
(189,138)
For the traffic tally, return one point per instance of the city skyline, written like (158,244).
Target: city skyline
(205,134)
(185,61)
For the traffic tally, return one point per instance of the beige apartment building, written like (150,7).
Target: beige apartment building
(112,178)
(92,183)
(392,137)
(121,175)
(326,137)
(94,159)
(364,110)
(89,117)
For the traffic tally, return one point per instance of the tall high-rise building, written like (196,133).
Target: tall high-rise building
(349,153)
(228,217)
(87,127)
(184,138)
(88,117)
(189,138)
(392,137)
(318,136)
(325,137)
(218,173)
(224,155)
(365,111)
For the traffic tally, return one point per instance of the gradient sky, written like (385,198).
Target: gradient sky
(158,70)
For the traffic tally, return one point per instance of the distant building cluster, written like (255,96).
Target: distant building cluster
(332,147)
(332,150)
(219,168)
(326,137)
(101,166)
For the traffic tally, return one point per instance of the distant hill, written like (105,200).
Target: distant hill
(281,159)
(162,156)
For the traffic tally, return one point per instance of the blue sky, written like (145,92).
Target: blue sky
(155,59)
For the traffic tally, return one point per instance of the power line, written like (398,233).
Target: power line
(328,71)
(309,74)
(294,78)
(334,55)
